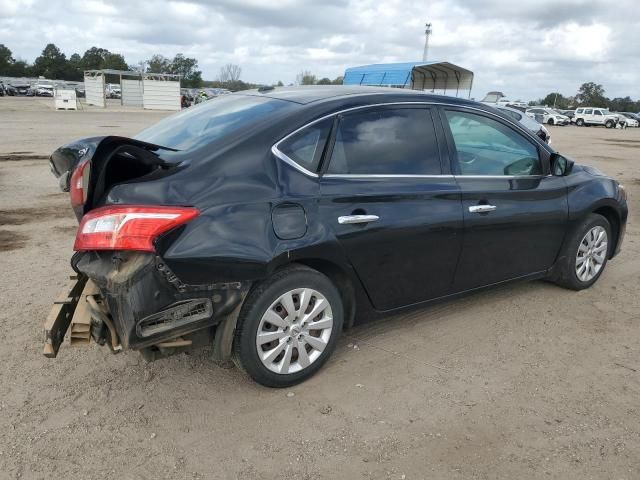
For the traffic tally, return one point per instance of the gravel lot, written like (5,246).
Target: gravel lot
(525,381)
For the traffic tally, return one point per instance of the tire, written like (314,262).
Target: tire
(609,124)
(550,122)
(569,265)
(267,301)
(579,122)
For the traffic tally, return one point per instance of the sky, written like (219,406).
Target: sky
(524,48)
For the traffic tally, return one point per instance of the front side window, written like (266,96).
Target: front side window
(487,147)
(306,146)
(399,141)
(597,112)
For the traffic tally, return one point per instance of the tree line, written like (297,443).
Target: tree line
(53,64)
(589,94)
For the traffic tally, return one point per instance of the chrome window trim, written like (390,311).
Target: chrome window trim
(294,164)
(508,177)
(289,161)
(383,175)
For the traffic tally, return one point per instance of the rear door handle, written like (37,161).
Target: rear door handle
(350,219)
(482,208)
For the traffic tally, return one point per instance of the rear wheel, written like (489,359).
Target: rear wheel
(580,122)
(288,327)
(585,254)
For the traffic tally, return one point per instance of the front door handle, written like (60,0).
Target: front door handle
(350,219)
(482,208)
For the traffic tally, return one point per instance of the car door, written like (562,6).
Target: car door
(515,214)
(391,206)
(588,115)
(598,117)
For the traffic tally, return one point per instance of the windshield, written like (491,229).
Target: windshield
(209,121)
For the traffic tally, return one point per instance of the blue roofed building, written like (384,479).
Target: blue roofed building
(436,77)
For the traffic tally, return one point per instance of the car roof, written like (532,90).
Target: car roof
(317,93)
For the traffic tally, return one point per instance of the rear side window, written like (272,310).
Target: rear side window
(514,115)
(197,126)
(399,141)
(588,111)
(306,146)
(487,147)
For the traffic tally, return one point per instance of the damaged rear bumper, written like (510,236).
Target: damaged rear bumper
(142,302)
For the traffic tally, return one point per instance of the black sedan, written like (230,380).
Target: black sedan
(264,223)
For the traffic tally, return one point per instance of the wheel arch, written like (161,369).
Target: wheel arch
(613,218)
(340,278)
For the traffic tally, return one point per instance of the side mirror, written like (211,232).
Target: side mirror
(561,166)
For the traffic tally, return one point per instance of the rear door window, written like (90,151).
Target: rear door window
(487,147)
(388,141)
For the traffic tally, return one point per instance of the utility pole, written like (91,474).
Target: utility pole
(427,34)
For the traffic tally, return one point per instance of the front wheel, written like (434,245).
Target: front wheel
(550,121)
(585,254)
(288,327)
(609,124)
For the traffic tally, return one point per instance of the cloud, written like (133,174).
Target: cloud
(526,48)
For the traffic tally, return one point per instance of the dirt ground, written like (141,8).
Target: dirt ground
(525,381)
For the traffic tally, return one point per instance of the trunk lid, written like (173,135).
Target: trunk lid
(105,161)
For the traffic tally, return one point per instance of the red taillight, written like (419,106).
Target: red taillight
(128,227)
(79,183)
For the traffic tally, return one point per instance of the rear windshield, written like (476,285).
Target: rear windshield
(202,124)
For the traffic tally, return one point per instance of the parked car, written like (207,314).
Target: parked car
(21,88)
(265,222)
(112,90)
(548,115)
(595,116)
(628,119)
(569,114)
(527,122)
(635,116)
(44,89)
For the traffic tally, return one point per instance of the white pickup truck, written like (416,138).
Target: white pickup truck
(595,116)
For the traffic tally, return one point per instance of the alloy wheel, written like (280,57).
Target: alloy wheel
(294,331)
(592,253)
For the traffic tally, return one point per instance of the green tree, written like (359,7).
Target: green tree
(337,80)
(6,60)
(556,100)
(324,81)
(20,68)
(625,104)
(591,94)
(158,64)
(51,63)
(114,61)
(306,78)
(187,68)
(74,70)
(93,59)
